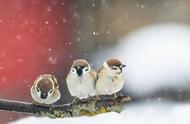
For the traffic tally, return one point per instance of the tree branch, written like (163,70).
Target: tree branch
(85,107)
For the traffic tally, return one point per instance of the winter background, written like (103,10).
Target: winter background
(150,37)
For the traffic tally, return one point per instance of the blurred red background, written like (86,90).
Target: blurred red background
(35,38)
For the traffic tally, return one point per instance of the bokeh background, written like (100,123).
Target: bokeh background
(150,36)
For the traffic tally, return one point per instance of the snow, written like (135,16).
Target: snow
(139,113)
(157,56)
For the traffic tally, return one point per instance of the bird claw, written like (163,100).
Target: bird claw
(97,98)
(75,101)
(114,98)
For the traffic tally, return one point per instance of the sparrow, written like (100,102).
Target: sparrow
(110,78)
(45,89)
(81,80)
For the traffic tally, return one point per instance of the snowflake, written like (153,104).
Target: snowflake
(52,60)
(142,6)
(107,32)
(85,54)
(70,56)
(93,4)
(49,9)
(49,49)
(95,33)
(78,39)
(19,60)
(165,4)
(13,20)
(62,3)
(18,37)
(64,20)
(46,22)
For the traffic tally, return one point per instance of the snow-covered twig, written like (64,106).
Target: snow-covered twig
(85,107)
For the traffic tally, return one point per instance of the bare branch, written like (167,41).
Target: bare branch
(85,107)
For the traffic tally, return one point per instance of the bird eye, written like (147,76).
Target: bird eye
(114,68)
(51,90)
(73,70)
(86,69)
(38,89)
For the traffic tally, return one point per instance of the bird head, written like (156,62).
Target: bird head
(113,66)
(80,67)
(45,85)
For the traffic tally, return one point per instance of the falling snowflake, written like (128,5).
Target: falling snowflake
(3,79)
(56,22)
(159,99)
(18,37)
(95,33)
(107,32)
(93,4)
(20,60)
(49,9)
(62,3)
(13,20)
(46,22)
(10,118)
(165,4)
(85,54)
(52,60)
(78,39)
(49,49)
(70,56)
(64,20)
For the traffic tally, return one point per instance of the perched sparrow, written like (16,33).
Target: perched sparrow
(110,78)
(81,80)
(45,89)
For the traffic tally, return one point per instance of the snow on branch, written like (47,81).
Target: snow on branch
(85,107)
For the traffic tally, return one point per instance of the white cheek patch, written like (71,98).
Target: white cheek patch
(38,93)
(50,93)
(73,71)
(86,70)
(106,65)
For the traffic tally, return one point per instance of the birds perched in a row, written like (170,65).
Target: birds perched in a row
(82,82)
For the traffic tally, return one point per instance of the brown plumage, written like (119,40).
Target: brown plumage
(113,62)
(80,62)
(45,85)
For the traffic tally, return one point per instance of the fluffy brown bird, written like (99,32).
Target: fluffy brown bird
(110,78)
(81,79)
(45,89)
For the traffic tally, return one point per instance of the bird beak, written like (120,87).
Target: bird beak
(43,95)
(123,66)
(79,70)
